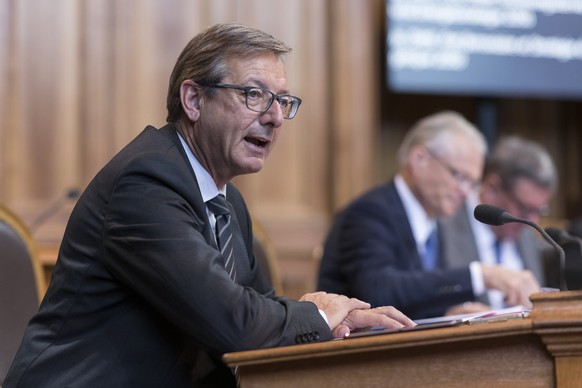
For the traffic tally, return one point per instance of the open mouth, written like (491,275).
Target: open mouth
(257,142)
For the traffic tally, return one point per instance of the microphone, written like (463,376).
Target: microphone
(496,216)
(492,215)
(55,207)
(561,236)
(572,247)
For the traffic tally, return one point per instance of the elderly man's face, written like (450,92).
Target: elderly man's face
(233,139)
(447,179)
(526,200)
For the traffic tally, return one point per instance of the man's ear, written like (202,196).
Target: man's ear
(190,99)
(418,157)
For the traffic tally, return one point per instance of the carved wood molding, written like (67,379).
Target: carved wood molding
(557,319)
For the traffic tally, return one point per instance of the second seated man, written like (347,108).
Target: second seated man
(521,178)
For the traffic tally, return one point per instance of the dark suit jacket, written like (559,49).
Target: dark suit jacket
(140,297)
(370,254)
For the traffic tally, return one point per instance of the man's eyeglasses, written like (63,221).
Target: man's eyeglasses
(524,210)
(463,180)
(260,100)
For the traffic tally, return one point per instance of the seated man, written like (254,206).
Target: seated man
(519,177)
(377,248)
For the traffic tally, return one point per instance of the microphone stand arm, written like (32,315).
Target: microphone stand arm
(558,248)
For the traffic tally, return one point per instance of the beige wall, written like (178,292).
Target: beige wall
(79,79)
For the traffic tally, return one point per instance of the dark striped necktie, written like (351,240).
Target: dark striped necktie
(219,208)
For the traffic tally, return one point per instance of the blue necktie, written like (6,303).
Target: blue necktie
(498,258)
(430,251)
(219,208)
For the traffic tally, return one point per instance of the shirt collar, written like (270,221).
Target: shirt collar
(487,238)
(208,188)
(421,224)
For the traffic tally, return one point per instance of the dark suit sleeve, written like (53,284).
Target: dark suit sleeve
(372,252)
(154,244)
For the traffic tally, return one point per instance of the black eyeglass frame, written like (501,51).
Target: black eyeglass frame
(524,210)
(462,179)
(247,89)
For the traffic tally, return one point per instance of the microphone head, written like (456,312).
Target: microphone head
(492,215)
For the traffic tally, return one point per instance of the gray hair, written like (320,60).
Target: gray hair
(205,57)
(436,131)
(514,157)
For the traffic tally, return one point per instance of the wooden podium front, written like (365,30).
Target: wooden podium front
(543,350)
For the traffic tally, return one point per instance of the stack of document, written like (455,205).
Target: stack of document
(506,314)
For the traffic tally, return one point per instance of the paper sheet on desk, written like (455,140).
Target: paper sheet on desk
(506,313)
(509,312)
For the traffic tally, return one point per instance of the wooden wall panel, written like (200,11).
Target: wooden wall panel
(103,85)
(6,91)
(42,100)
(356,94)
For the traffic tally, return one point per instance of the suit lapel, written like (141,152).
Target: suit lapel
(458,243)
(195,198)
(405,232)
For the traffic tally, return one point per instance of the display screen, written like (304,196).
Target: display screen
(485,47)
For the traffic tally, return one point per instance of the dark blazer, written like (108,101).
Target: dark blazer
(139,296)
(370,254)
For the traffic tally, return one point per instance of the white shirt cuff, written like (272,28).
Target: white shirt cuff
(477,280)
(324,315)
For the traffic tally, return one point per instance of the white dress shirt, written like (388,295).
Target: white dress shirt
(421,224)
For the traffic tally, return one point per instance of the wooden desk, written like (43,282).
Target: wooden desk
(544,350)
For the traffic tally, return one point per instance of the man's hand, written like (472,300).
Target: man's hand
(516,285)
(346,314)
(336,307)
(387,317)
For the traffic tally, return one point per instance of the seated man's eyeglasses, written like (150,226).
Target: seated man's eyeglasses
(260,100)
(524,210)
(463,180)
